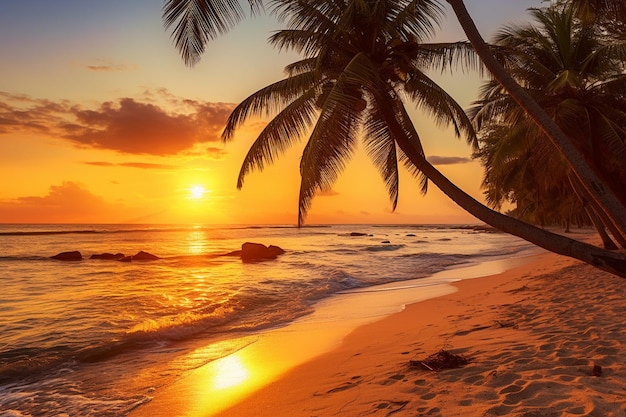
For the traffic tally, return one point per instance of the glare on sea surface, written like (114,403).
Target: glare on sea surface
(197,242)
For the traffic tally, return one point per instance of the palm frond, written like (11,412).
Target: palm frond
(419,18)
(438,103)
(380,146)
(268,100)
(448,56)
(286,128)
(196,22)
(329,148)
(333,139)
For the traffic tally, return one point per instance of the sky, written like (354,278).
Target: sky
(101,122)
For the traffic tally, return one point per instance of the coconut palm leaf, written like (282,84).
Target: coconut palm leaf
(196,22)
(268,100)
(431,98)
(286,128)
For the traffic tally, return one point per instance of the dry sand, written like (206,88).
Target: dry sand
(533,335)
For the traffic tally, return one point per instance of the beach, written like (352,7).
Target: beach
(542,339)
(196,331)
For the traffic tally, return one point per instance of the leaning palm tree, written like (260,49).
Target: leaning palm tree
(596,188)
(361,60)
(196,22)
(577,80)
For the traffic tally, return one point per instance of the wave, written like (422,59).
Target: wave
(384,248)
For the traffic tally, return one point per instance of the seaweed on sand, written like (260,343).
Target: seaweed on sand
(440,361)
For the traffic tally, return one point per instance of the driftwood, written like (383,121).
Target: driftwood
(440,361)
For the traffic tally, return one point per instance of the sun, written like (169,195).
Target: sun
(196,192)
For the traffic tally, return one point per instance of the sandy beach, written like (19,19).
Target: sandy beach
(544,339)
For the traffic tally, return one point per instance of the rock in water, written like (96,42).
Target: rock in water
(145,256)
(275,249)
(253,252)
(68,256)
(107,256)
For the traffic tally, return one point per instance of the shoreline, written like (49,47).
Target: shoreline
(544,339)
(270,356)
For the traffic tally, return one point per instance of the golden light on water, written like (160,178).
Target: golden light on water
(197,242)
(229,372)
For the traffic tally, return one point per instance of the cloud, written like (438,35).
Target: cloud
(69,202)
(448,160)
(108,65)
(126,125)
(107,68)
(141,165)
(207,152)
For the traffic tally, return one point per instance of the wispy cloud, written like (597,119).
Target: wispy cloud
(109,68)
(447,160)
(108,65)
(141,165)
(127,125)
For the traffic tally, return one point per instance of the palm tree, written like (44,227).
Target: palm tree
(613,208)
(522,170)
(576,79)
(361,58)
(528,172)
(196,22)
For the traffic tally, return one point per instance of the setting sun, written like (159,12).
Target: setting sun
(196,192)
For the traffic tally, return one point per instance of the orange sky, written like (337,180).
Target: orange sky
(101,122)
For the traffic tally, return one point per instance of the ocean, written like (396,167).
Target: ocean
(98,337)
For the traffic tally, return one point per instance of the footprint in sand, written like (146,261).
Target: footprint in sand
(348,385)
(393,379)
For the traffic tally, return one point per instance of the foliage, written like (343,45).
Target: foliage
(576,75)
(361,59)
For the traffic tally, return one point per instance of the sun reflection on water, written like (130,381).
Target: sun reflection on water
(197,242)
(229,372)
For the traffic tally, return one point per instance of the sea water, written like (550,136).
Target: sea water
(98,337)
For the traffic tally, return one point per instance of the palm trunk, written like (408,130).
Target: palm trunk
(597,210)
(612,262)
(596,188)
(607,242)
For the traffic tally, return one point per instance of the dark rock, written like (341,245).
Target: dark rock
(126,259)
(233,253)
(68,256)
(107,256)
(410,235)
(145,256)
(358,234)
(275,249)
(253,252)
(385,241)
